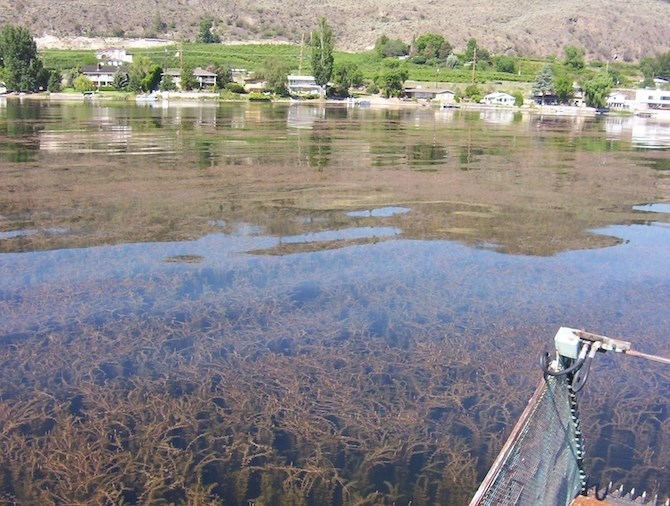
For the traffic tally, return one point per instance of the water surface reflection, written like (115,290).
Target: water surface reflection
(314,305)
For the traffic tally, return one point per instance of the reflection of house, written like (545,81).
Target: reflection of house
(102,75)
(498,98)
(653,99)
(113,56)
(204,77)
(301,85)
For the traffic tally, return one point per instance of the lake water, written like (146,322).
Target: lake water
(299,304)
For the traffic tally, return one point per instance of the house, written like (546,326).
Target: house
(303,85)
(498,98)
(618,101)
(3,88)
(113,56)
(102,75)
(255,85)
(440,94)
(204,77)
(652,99)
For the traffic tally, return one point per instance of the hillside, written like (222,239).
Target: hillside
(529,27)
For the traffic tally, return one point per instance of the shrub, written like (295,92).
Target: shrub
(259,97)
(235,88)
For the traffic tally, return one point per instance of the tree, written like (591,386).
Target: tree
(276,74)
(322,54)
(83,83)
(518,98)
(120,80)
(663,65)
(55,82)
(432,45)
(223,76)
(205,34)
(137,74)
(167,83)
(563,87)
(385,47)
(346,76)
(152,78)
(19,65)
(392,78)
(187,79)
(597,90)
(452,61)
(544,82)
(574,58)
(505,64)
(470,49)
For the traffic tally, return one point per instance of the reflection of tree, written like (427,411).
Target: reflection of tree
(426,153)
(20,125)
(319,150)
(469,153)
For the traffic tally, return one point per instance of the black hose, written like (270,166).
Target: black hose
(545,360)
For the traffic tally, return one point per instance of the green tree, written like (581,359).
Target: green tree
(574,58)
(385,47)
(392,78)
(120,80)
(205,34)
(346,76)
(505,64)
(597,90)
(187,79)
(518,98)
(563,87)
(276,74)
(663,65)
(544,82)
(83,83)
(19,65)
(55,82)
(432,45)
(452,61)
(322,54)
(473,92)
(152,78)
(138,72)
(167,83)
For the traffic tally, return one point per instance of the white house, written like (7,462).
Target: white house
(102,75)
(498,98)
(113,56)
(618,101)
(204,77)
(653,99)
(303,85)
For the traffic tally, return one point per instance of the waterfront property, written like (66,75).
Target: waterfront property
(204,77)
(303,85)
(498,98)
(657,99)
(102,75)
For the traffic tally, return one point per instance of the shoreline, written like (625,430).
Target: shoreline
(176,98)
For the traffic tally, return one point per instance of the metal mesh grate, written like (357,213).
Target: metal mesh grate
(540,464)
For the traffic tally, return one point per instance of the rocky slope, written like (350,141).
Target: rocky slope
(530,27)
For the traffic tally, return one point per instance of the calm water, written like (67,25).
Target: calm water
(318,305)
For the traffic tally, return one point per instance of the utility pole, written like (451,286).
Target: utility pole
(474,63)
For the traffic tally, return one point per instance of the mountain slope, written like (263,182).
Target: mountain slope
(530,27)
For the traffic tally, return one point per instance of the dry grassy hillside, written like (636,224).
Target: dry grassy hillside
(529,27)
